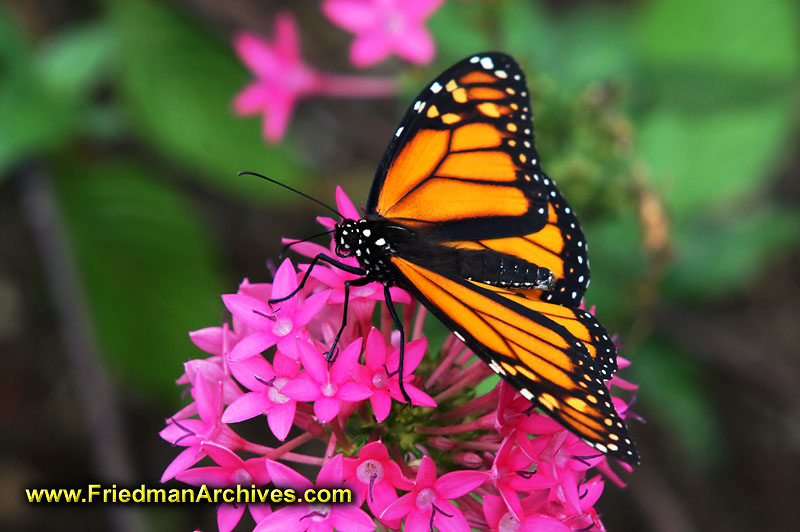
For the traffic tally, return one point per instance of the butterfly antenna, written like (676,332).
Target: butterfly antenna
(315,200)
(286,247)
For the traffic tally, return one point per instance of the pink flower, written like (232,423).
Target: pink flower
(327,385)
(427,505)
(374,477)
(192,433)
(231,471)
(283,78)
(501,519)
(385,27)
(381,374)
(265,381)
(281,325)
(511,473)
(314,517)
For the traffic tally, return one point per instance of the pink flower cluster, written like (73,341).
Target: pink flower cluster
(456,460)
(282,77)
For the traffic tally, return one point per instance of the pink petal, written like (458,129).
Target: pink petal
(280,419)
(251,100)
(285,281)
(418,521)
(326,408)
(375,350)
(245,407)
(252,345)
(418,397)
(228,516)
(285,477)
(415,45)
(401,507)
(256,53)
(543,523)
(381,404)
(222,455)
(458,483)
(494,508)
(345,206)
(208,339)
(253,372)
(215,477)
(350,518)
(369,48)
(309,308)
(330,475)
(383,495)
(186,459)
(286,519)
(421,9)
(313,362)
(352,15)
(259,511)
(426,475)
(303,388)
(285,366)
(251,311)
(345,360)
(456,523)
(287,38)
(353,392)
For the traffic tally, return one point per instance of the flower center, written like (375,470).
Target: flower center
(508,523)
(380,380)
(329,390)
(242,478)
(274,393)
(370,471)
(318,512)
(282,327)
(426,498)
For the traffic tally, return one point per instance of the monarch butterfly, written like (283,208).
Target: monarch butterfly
(462,216)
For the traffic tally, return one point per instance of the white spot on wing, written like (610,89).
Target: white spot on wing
(399,131)
(436,87)
(486,62)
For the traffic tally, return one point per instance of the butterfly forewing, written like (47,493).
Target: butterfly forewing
(463,165)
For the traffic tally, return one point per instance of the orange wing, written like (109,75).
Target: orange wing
(463,169)
(544,350)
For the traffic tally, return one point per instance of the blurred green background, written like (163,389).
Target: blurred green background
(671,126)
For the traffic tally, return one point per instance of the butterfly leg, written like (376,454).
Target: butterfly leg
(387,296)
(316,260)
(347,284)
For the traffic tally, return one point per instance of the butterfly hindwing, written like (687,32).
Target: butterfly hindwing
(536,354)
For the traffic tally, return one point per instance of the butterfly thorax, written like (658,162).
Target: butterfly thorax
(363,240)
(374,241)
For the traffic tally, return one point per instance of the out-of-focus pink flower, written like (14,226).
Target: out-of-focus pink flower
(281,325)
(374,477)
(381,374)
(232,471)
(314,517)
(385,27)
(283,78)
(328,386)
(427,505)
(265,381)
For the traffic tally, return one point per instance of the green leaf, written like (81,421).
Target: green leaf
(73,61)
(708,161)
(147,267)
(728,252)
(757,38)
(179,83)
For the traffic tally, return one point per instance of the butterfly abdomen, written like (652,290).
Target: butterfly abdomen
(499,269)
